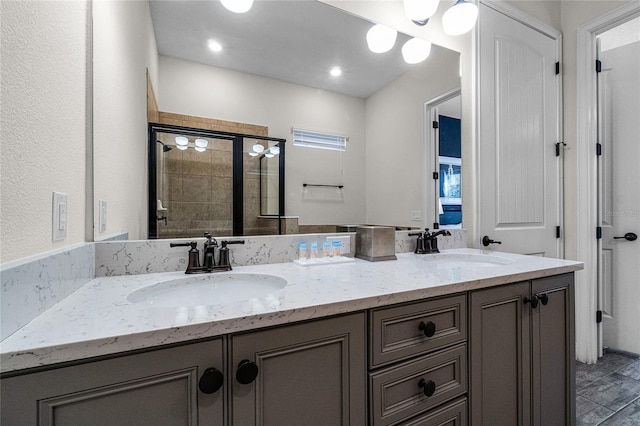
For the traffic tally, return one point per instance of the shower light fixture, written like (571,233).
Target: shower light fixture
(269,155)
(253,154)
(237,6)
(258,148)
(335,71)
(275,150)
(381,38)
(199,145)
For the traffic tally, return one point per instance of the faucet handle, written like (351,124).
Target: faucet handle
(210,240)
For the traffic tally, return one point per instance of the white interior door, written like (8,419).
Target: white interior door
(619,197)
(519,172)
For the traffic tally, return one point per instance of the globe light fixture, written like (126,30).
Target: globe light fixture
(460,18)
(419,11)
(381,38)
(237,6)
(416,50)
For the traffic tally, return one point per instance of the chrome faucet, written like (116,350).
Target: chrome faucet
(209,249)
(428,242)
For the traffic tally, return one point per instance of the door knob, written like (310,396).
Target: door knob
(486,241)
(247,372)
(210,381)
(629,236)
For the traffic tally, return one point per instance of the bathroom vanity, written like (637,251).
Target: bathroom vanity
(466,337)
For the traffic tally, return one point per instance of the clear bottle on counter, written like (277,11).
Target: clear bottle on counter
(326,249)
(314,250)
(302,250)
(336,248)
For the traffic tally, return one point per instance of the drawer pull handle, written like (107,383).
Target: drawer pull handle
(428,328)
(210,381)
(247,372)
(428,387)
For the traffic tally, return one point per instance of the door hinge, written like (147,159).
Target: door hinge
(558,145)
(598,317)
(598,232)
(598,66)
(436,175)
(557,68)
(598,148)
(558,231)
(435,124)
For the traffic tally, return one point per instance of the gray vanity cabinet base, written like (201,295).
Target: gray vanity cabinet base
(153,388)
(308,374)
(522,358)
(451,414)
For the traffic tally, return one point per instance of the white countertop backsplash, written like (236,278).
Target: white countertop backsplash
(97,319)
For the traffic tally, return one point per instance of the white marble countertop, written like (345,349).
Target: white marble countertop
(97,319)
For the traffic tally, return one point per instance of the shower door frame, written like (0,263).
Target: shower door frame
(237,139)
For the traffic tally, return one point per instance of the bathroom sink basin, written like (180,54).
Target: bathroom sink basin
(467,260)
(208,289)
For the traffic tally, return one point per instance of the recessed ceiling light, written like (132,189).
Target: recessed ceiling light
(253,154)
(214,46)
(335,71)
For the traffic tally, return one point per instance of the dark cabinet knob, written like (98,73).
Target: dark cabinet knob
(533,301)
(210,381)
(544,298)
(428,387)
(428,328)
(247,372)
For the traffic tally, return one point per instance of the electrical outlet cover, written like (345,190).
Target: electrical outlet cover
(345,243)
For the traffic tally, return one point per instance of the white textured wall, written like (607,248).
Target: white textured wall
(395,132)
(195,89)
(123,48)
(44,48)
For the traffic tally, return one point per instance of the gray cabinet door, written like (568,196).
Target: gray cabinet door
(152,388)
(309,374)
(500,348)
(553,360)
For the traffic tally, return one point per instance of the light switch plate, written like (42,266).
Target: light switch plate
(59,217)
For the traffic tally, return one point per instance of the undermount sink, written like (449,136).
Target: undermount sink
(207,289)
(468,260)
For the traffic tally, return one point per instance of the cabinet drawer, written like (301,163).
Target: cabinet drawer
(451,414)
(399,392)
(396,332)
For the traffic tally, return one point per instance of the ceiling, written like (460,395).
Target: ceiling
(296,41)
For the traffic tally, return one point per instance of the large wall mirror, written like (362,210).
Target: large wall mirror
(273,71)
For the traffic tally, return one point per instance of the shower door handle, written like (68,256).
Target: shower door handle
(629,236)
